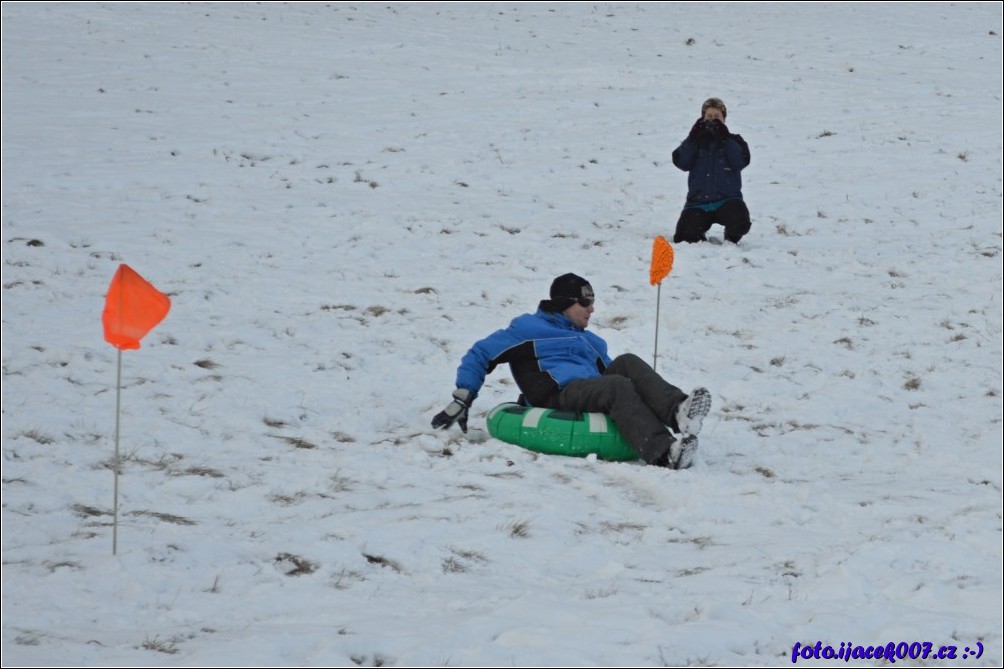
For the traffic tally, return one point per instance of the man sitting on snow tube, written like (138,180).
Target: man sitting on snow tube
(558,365)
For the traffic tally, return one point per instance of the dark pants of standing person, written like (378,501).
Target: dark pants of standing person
(694,223)
(639,401)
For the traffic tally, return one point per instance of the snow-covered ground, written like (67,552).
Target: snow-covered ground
(341,197)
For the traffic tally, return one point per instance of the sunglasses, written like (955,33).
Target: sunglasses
(583,301)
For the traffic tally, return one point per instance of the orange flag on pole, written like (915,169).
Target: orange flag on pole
(662,260)
(133,307)
(662,265)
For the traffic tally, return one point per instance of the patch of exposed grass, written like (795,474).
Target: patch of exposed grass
(169,647)
(462,560)
(607,527)
(384,562)
(344,578)
(298,442)
(340,483)
(162,463)
(518,529)
(294,565)
(287,500)
(85,511)
(700,542)
(199,471)
(452,565)
(164,517)
(38,436)
(475,556)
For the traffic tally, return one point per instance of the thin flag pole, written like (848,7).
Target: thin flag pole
(658,301)
(118,415)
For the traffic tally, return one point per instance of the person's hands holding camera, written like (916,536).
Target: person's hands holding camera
(717,128)
(697,130)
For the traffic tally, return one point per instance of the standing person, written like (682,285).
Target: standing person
(558,365)
(714,157)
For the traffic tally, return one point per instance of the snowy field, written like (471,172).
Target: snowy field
(340,198)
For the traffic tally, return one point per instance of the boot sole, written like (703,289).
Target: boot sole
(700,405)
(688,450)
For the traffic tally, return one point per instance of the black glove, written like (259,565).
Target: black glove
(703,132)
(695,132)
(706,131)
(718,129)
(456,412)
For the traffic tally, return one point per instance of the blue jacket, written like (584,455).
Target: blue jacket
(545,351)
(714,169)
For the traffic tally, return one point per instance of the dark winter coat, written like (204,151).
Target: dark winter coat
(545,352)
(714,169)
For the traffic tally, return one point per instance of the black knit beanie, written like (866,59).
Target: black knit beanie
(565,290)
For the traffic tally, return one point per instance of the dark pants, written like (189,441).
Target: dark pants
(694,224)
(637,399)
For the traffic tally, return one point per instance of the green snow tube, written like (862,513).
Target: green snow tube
(559,432)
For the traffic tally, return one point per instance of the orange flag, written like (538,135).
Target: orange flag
(662,260)
(133,307)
